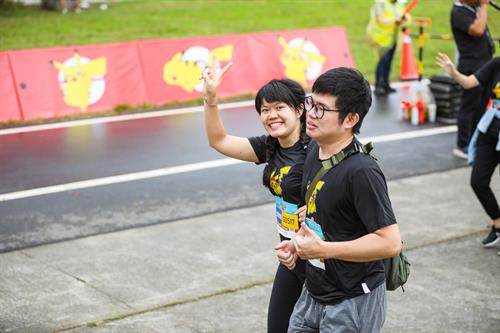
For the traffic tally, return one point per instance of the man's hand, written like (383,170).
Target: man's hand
(286,254)
(308,245)
(402,19)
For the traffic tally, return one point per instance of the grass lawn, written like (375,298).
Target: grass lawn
(30,27)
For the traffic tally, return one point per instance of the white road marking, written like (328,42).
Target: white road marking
(195,167)
(125,117)
(411,134)
(118,179)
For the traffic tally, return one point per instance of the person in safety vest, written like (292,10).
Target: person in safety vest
(386,17)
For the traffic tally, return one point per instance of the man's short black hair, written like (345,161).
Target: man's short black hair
(352,92)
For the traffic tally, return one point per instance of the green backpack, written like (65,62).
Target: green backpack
(397,271)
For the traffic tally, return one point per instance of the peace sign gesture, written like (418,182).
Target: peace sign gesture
(212,77)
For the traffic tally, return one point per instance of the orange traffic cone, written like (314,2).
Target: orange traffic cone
(408,69)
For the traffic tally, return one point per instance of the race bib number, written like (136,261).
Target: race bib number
(287,223)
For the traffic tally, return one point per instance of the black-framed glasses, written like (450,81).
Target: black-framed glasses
(319,109)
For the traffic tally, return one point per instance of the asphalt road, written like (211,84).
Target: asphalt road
(60,156)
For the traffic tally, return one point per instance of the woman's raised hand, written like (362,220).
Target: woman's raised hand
(445,63)
(212,77)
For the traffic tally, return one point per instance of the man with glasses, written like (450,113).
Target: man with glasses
(349,225)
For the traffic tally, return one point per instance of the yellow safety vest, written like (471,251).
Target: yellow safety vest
(382,28)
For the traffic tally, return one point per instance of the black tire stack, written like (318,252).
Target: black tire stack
(448,95)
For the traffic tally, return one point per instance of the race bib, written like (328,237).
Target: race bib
(320,263)
(287,223)
(315,227)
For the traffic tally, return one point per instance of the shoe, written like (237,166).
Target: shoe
(460,153)
(388,88)
(380,91)
(492,238)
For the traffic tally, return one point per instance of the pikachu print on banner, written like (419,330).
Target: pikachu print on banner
(302,59)
(277,178)
(81,80)
(184,68)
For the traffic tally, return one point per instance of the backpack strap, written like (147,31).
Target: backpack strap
(321,172)
(366,149)
(326,165)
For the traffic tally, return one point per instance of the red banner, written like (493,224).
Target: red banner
(61,81)
(300,55)
(64,81)
(9,107)
(173,67)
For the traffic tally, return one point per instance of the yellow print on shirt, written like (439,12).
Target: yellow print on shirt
(496,91)
(276,179)
(311,204)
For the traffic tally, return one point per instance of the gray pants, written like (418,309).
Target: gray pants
(362,314)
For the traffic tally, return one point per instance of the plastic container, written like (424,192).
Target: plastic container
(431,112)
(414,116)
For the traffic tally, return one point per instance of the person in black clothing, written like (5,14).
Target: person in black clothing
(475,48)
(484,149)
(349,225)
(280,104)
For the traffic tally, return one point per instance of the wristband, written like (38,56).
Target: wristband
(205,99)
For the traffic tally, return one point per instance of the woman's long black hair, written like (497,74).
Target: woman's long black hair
(290,93)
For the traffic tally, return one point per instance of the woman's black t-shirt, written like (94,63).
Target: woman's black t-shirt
(285,168)
(350,201)
(489,78)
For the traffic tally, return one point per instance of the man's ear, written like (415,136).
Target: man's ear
(351,120)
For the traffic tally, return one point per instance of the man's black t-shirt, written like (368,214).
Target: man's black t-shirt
(285,168)
(350,201)
(474,51)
